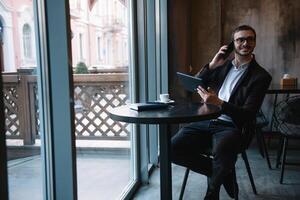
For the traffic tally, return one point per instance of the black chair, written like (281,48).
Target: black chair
(287,116)
(262,122)
(247,133)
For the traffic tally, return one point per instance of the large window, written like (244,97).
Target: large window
(104,147)
(21,104)
(60,141)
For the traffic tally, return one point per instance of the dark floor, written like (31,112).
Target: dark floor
(267,181)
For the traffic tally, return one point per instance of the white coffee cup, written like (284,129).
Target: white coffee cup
(164,97)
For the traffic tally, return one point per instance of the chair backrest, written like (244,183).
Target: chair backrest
(248,130)
(287,115)
(288,110)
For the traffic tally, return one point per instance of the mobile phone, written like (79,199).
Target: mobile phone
(229,50)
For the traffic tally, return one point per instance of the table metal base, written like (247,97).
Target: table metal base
(165,162)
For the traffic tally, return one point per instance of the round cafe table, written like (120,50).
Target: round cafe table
(173,114)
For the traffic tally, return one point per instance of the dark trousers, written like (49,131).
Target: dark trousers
(218,139)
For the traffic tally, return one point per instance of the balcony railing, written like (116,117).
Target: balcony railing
(94,94)
(112,23)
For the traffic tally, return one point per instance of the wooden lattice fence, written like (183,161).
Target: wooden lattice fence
(94,94)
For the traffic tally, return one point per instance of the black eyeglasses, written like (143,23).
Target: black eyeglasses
(241,40)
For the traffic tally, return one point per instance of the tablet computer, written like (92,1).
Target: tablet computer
(189,82)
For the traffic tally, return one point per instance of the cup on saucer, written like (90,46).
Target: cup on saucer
(164,98)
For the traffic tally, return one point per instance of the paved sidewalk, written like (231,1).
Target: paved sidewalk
(100,176)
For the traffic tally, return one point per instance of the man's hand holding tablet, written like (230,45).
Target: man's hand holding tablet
(209,96)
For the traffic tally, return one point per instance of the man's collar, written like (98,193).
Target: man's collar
(243,65)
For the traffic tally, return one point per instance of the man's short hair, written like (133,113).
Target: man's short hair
(243,28)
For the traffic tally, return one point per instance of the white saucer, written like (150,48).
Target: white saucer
(170,101)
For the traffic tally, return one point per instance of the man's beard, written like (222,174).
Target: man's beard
(244,54)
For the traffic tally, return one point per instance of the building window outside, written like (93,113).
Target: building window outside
(1,32)
(1,50)
(81,46)
(99,49)
(109,49)
(27,48)
(125,54)
(117,52)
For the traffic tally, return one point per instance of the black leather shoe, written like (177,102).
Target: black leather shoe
(212,193)
(211,196)
(230,184)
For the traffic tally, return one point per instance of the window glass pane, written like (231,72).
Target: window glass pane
(101,81)
(18,62)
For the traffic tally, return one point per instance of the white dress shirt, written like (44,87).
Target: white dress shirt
(233,76)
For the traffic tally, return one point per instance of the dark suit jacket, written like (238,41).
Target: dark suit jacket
(248,94)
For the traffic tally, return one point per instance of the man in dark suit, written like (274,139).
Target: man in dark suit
(238,86)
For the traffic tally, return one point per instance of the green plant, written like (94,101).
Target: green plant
(81,68)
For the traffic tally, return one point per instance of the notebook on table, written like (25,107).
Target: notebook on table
(148,106)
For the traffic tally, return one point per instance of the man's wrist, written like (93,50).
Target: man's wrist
(220,103)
